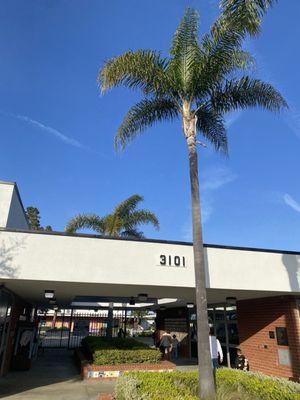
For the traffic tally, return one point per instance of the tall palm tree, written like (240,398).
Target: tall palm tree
(199,83)
(122,222)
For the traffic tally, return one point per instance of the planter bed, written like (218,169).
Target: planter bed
(91,371)
(102,358)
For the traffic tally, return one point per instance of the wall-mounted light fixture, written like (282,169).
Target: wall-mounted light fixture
(49,294)
(143,297)
(190,305)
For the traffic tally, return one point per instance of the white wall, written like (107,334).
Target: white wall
(6,192)
(12,214)
(49,257)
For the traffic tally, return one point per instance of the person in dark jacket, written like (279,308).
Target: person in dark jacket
(241,362)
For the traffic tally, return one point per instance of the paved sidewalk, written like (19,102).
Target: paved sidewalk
(52,377)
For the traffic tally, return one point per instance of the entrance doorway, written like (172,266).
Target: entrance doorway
(223,318)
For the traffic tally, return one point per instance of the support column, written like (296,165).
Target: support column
(110,317)
(227,338)
(125,324)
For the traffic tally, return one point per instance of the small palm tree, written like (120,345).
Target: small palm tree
(122,222)
(199,83)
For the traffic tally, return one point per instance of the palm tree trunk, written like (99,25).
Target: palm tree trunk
(207,389)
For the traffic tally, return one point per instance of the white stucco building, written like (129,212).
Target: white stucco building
(263,286)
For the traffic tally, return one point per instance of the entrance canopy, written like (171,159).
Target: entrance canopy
(81,267)
(77,266)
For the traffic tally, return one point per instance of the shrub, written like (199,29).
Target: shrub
(151,386)
(231,385)
(147,333)
(120,356)
(258,385)
(114,351)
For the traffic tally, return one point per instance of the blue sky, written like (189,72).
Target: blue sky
(57,131)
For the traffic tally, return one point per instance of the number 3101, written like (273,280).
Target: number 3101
(176,261)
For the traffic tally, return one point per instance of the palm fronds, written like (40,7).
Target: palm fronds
(142,69)
(212,125)
(244,16)
(143,115)
(85,221)
(202,78)
(247,92)
(122,222)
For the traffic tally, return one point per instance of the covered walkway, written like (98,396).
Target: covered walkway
(52,377)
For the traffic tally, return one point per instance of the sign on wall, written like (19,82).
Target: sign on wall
(170,260)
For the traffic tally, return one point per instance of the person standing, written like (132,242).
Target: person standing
(166,344)
(241,362)
(216,351)
(175,344)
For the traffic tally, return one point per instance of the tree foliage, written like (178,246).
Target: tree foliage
(33,216)
(124,221)
(212,76)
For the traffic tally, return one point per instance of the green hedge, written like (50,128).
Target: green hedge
(231,384)
(114,351)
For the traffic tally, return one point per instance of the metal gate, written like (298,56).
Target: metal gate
(67,328)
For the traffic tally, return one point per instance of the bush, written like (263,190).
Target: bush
(148,333)
(231,385)
(114,351)
(258,385)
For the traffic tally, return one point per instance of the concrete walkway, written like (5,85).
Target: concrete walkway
(52,377)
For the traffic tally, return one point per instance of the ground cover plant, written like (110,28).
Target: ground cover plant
(231,385)
(105,351)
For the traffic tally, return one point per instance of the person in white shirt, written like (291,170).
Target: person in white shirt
(216,351)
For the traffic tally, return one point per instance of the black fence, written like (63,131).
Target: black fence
(67,329)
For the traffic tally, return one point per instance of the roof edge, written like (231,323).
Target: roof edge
(175,242)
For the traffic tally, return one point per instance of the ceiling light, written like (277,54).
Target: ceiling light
(190,305)
(49,294)
(143,297)
(231,300)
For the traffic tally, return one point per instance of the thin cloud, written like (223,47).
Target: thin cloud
(213,180)
(231,118)
(289,201)
(292,118)
(217,177)
(52,131)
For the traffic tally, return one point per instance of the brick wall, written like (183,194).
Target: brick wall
(256,319)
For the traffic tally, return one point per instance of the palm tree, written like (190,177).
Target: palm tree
(122,222)
(199,83)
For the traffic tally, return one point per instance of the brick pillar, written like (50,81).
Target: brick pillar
(257,323)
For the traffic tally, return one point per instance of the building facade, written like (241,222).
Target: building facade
(253,294)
